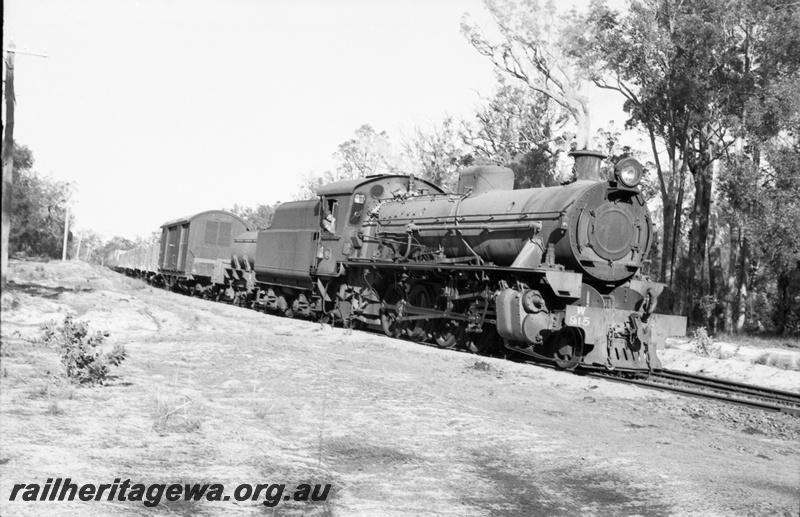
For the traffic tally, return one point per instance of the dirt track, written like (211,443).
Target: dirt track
(396,428)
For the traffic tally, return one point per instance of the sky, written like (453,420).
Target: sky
(156,109)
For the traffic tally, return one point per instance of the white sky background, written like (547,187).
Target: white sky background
(162,108)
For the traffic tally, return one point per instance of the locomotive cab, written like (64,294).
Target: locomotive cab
(350,203)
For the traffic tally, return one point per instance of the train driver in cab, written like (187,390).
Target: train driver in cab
(328,222)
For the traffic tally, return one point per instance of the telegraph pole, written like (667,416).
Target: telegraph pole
(66,234)
(8,161)
(78,252)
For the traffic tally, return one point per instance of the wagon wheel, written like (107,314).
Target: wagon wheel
(246,301)
(357,324)
(290,306)
(446,333)
(568,348)
(484,343)
(393,295)
(420,296)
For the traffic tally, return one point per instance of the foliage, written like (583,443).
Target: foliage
(368,152)
(516,129)
(515,121)
(765,204)
(108,248)
(38,209)
(258,217)
(529,47)
(83,362)
(309,183)
(703,344)
(439,153)
(87,246)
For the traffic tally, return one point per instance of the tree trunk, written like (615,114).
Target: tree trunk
(740,305)
(703,178)
(667,242)
(714,274)
(667,205)
(676,228)
(730,281)
(784,303)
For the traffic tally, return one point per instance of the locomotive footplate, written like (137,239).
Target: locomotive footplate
(622,338)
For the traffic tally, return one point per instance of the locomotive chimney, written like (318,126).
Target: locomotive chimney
(587,165)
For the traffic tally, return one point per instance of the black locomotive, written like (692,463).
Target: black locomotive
(553,273)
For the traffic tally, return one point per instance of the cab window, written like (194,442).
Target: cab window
(358,208)
(329,215)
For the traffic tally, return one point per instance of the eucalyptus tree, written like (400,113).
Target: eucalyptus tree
(368,152)
(521,129)
(528,46)
(437,152)
(38,209)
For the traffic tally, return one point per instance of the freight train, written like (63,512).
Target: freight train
(551,273)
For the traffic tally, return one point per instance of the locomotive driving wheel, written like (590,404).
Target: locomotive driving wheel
(420,296)
(394,295)
(446,333)
(568,348)
(484,343)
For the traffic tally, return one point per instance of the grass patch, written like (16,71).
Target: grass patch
(7,349)
(40,392)
(722,354)
(53,409)
(760,340)
(783,362)
(175,414)
(134,284)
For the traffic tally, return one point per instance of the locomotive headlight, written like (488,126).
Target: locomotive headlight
(628,172)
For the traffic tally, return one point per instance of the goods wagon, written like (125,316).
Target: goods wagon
(191,246)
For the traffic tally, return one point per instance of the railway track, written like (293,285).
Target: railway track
(710,388)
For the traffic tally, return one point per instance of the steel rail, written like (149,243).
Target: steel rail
(769,405)
(731,386)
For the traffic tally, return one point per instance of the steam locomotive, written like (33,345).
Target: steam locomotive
(551,273)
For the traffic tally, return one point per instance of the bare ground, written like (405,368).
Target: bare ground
(396,428)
